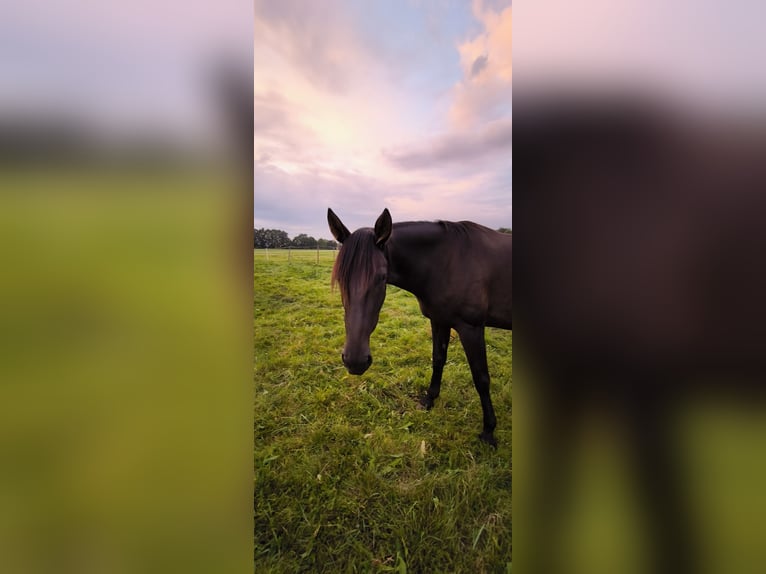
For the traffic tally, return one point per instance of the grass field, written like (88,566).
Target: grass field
(125,425)
(351,475)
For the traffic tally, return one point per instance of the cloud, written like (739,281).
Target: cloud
(316,38)
(323,97)
(479,116)
(485,91)
(478,65)
(456,148)
(122,69)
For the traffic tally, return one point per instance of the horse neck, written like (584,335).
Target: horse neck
(407,251)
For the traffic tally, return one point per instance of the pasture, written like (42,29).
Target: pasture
(350,473)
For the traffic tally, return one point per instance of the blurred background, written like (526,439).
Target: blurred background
(126,290)
(125,297)
(641,348)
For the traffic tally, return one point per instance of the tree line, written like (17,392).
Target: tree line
(278,239)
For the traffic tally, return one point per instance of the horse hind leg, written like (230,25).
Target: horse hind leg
(472,338)
(440,335)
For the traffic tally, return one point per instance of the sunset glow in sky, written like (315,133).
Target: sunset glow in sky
(360,106)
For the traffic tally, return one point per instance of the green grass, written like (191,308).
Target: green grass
(124,404)
(351,475)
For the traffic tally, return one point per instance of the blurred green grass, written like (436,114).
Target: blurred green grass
(602,525)
(124,417)
(350,474)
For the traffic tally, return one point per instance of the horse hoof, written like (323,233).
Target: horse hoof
(427,402)
(488,438)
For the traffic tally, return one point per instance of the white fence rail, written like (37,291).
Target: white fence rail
(295,255)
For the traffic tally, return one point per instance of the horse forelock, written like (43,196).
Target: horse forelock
(354,264)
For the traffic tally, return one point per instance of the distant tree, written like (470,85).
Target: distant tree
(258,239)
(270,239)
(279,238)
(304,241)
(326,244)
(505,230)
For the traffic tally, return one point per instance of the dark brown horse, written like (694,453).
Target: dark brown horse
(642,295)
(459,272)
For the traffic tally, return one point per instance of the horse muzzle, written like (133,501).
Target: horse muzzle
(356,367)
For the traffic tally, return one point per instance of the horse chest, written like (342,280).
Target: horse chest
(448,311)
(426,309)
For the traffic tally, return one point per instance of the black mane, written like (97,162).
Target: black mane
(461,227)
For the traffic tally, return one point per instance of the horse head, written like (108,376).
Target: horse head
(361,272)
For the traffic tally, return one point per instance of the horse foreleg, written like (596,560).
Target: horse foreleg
(472,338)
(649,417)
(440,335)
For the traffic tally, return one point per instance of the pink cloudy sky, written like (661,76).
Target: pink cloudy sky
(364,105)
(124,68)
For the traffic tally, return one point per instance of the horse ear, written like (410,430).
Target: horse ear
(383,228)
(338,230)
